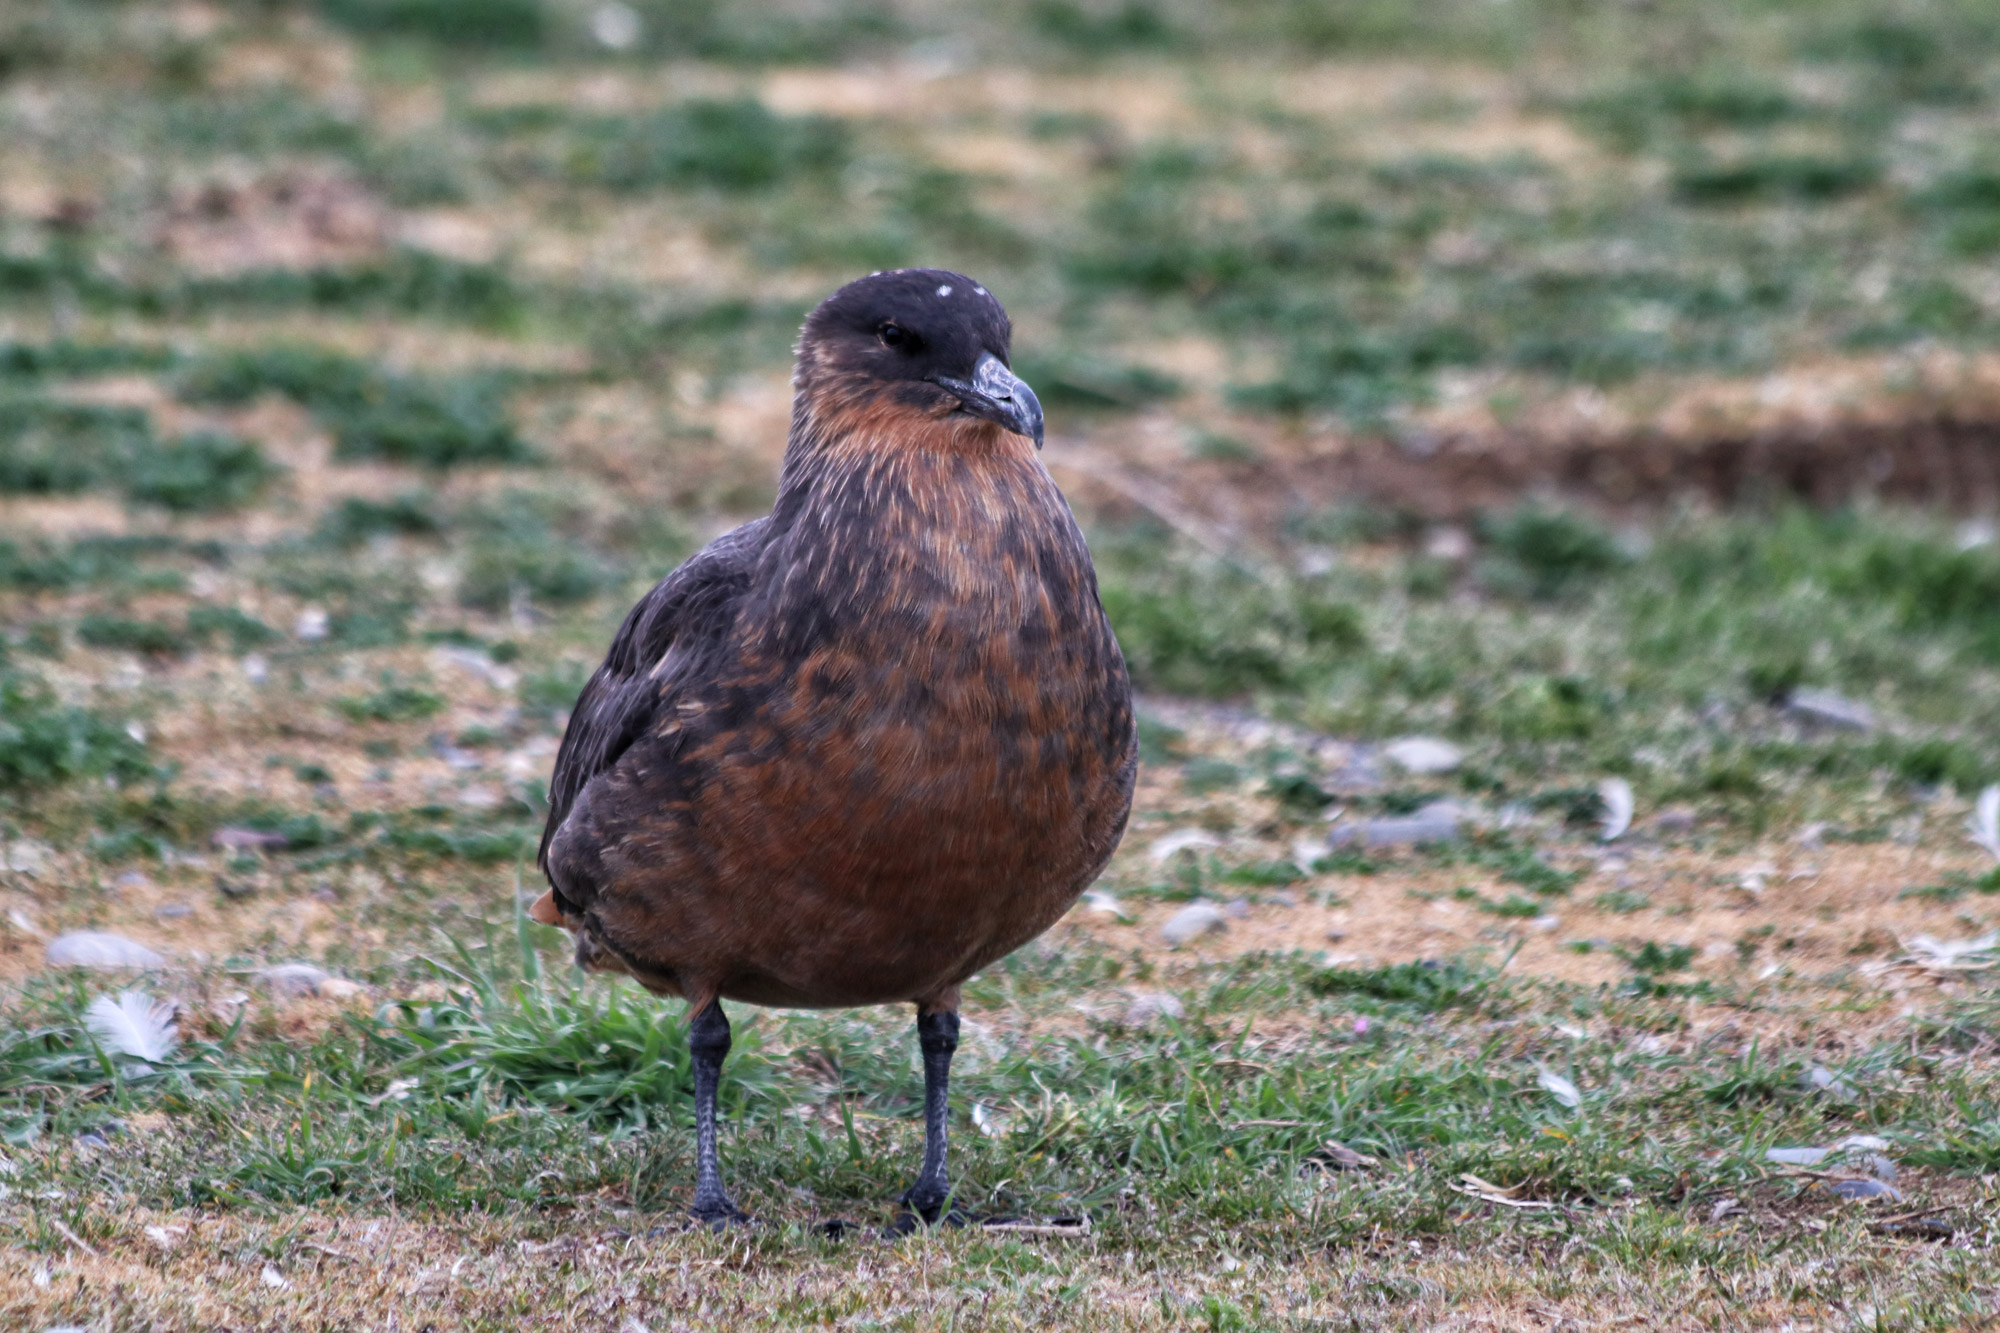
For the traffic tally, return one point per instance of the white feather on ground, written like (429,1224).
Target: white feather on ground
(133,1023)
(1180,840)
(1560,1088)
(1984,822)
(1616,793)
(1936,955)
(1104,904)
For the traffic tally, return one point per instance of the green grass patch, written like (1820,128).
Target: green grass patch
(199,472)
(490,25)
(395,701)
(554,688)
(1567,653)
(229,627)
(534,546)
(1546,553)
(356,519)
(1427,987)
(155,638)
(52,447)
(48,447)
(738,145)
(44,742)
(426,420)
(64,358)
(1805,178)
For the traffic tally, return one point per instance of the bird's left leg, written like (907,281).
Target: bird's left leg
(937,1037)
(708,1044)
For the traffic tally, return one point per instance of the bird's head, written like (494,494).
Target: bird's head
(911,355)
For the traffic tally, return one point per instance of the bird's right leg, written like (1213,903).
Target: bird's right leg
(708,1044)
(937,1037)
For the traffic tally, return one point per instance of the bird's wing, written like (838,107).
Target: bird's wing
(624,696)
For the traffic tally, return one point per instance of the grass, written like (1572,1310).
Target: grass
(199,472)
(57,448)
(355,519)
(394,702)
(734,145)
(1550,642)
(517,1091)
(53,448)
(44,742)
(317,522)
(1331,265)
(371,414)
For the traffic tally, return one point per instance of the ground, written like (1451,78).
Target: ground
(1609,393)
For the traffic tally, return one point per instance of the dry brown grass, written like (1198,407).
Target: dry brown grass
(183,1271)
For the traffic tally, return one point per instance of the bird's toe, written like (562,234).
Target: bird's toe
(719,1215)
(939,1213)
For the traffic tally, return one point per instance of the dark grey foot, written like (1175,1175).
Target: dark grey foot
(908,1223)
(719,1215)
(911,1221)
(925,1201)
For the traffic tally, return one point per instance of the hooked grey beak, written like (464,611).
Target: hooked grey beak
(998,394)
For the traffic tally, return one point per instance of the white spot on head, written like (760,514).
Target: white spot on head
(944,291)
(980,290)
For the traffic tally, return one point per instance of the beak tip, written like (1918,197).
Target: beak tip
(999,395)
(1028,411)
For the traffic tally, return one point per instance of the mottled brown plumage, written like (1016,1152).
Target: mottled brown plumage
(855,751)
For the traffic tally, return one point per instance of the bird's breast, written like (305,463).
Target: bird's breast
(935,567)
(934,640)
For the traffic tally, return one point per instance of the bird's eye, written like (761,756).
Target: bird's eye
(893,334)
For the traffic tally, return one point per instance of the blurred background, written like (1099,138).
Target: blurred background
(1574,379)
(1575,382)
(1547,418)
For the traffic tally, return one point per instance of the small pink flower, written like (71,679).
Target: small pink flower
(1360,1027)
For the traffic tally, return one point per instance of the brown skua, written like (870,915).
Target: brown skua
(855,751)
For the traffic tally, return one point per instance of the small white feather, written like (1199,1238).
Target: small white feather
(1104,904)
(1616,793)
(1984,824)
(133,1023)
(1180,840)
(1953,955)
(1560,1088)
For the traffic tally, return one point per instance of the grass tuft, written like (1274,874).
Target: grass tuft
(1427,987)
(394,702)
(199,472)
(726,145)
(432,421)
(44,742)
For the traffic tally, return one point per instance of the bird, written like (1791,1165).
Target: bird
(856,750)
